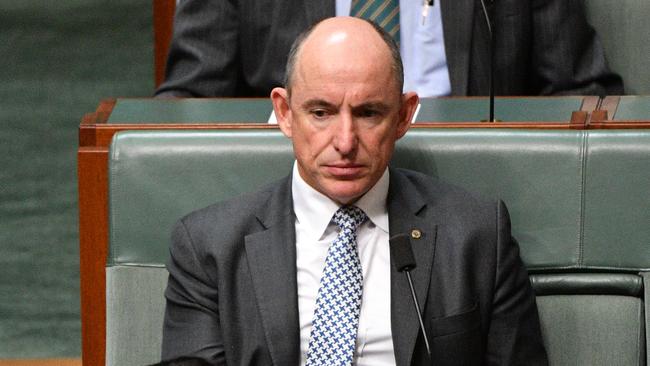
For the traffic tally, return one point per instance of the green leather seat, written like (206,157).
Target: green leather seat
(578,202)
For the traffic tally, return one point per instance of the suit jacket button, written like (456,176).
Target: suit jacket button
(416,234)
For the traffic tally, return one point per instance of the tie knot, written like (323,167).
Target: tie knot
(349,217)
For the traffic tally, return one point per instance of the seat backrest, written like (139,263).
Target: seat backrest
(624,30)
(578,202)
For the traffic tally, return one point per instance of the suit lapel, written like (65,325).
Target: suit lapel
(271,255)
(457,23)
(404,208)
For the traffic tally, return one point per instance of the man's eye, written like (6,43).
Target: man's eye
(369,113)
(319,113)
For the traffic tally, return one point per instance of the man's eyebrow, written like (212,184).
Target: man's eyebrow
(380,106)
(311,103)
(322,103)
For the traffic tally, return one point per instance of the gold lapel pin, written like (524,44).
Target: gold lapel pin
(416,234)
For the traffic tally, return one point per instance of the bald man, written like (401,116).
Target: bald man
(249,277)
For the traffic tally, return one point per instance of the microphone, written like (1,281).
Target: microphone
(402,256)
(491,56)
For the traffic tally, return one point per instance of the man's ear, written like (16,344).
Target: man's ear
(410,103)
(280,99)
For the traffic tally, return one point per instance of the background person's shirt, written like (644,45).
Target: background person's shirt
(422,47)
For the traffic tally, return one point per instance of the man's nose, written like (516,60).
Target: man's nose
(345,136)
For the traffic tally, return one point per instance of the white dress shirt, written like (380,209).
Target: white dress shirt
(422,47)
(314,234)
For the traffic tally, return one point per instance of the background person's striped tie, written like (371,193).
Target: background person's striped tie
(383,12)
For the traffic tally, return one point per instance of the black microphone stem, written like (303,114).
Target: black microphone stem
(491,56)
(492,119)
(401,254)
(417,310)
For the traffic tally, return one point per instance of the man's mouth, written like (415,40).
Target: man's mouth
(344,170)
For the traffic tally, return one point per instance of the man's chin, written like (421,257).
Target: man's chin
(346,192)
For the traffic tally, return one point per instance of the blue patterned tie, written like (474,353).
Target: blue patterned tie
(336,318)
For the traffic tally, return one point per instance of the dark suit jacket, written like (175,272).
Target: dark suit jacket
(232,292)
(240,47)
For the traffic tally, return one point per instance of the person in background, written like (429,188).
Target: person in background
(300,272)
(238,48)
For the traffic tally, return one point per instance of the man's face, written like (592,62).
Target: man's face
(344,118)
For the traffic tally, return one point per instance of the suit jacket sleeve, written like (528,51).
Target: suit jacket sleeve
(514,335)
(203,55)
(568,57)
(192,325)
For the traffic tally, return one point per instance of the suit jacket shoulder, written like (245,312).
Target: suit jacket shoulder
(418,189)
(245,213)
(229,263)
(477,302)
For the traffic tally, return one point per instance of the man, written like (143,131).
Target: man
(258,280)
(238,48)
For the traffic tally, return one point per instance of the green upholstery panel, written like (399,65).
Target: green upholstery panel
(135,308)
(258,110)
(617,200)
(624,30)
(506,109)
(190,110)
(633,108)
(536,173)
(587,284)
(593,330)
(156,177)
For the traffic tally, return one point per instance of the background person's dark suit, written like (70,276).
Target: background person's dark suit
(239,47)
(232,291)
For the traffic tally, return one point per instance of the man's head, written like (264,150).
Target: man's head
(343,106)
(398,67)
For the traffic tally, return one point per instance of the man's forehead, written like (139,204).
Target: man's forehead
(310,92)
(346,74)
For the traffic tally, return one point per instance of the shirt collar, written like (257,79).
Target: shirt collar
(314,209)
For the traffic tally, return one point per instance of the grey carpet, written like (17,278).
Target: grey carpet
(58,59)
